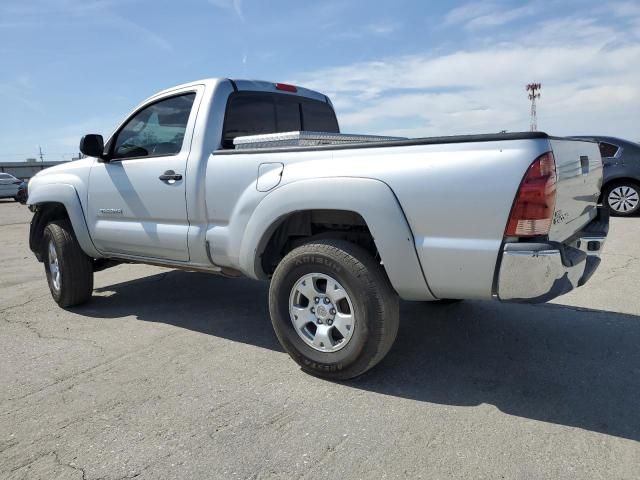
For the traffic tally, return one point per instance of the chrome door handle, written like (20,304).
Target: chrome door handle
(170,176)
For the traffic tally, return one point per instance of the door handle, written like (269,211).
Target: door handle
(170,176)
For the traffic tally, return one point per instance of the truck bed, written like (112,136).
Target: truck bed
(578,163)
(373,141)
(458,198)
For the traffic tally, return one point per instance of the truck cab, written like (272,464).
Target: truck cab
(149,168)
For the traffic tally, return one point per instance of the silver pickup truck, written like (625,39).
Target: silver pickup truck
(245,178)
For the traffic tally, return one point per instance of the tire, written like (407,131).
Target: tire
(74,283)
(622,198)
(362,304)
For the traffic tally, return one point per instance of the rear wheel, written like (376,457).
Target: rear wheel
(622,198)
(69,270)
(333,309)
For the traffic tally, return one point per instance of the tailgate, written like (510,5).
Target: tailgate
(579,174)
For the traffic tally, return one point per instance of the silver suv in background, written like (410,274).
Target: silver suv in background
(9,186)
(621,184)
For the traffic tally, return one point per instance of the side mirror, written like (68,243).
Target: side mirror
(92,145)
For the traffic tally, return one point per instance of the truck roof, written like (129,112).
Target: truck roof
(251,85)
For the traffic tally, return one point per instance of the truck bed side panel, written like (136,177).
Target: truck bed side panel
(457,199)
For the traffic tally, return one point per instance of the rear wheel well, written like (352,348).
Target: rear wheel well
(45,213)
(301,227)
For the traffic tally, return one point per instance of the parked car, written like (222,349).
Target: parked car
(253,178)
(621,160)
(9,186)
(23,193)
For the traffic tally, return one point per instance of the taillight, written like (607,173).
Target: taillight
(532,212)
(285,87)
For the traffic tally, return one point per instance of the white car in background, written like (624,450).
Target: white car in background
(9,186)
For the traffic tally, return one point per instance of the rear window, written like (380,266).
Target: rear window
(288,115)
(318,117)
(608,150)
(255,113)
(248,115)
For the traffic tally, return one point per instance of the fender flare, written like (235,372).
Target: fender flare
(68,196)
(372,199)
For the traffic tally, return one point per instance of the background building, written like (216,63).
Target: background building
(26,170)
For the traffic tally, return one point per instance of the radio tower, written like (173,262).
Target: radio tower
(534,92)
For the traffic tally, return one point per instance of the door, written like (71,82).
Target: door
(8,185)
(136,201)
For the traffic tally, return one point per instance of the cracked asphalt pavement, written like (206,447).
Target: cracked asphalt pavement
(175,375)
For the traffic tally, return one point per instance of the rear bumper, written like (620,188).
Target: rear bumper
(539,272)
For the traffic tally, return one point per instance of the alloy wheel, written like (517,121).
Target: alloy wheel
(623,199)
(322,312)
(54,267)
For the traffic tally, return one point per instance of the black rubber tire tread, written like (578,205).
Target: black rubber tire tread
(76,268)
(617,183)
(372,287)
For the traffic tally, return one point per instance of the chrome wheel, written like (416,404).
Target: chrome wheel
(321,312)
(623,199)
(54,267)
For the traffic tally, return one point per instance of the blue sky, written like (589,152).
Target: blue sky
(413,68)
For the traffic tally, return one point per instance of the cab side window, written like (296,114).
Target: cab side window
(156,130)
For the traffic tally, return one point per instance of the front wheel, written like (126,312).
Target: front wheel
(69,270)
(622,198)
(333,309)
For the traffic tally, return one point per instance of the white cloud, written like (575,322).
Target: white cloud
(589,73)
(469,11)
(624,9)
(366,31)
(493,19)
(234,6)
(478,15)
(124,24)
(381,28)
(97,12)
